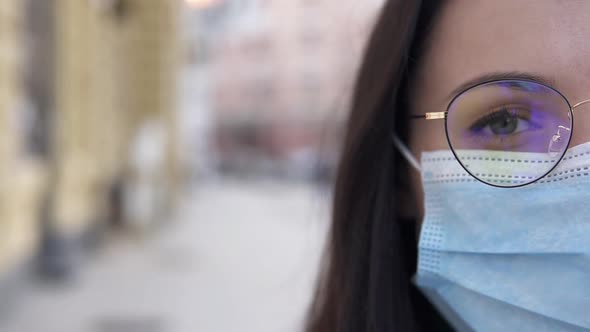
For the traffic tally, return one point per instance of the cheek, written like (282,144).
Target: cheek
(427,135)
(417,196)
(424,136)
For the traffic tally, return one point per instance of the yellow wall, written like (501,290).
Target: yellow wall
(113,73)
(21,178)
(150,60)
(76,166)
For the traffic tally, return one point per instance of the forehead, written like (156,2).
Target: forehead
(549,38)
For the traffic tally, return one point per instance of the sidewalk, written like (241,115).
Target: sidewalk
(240,256)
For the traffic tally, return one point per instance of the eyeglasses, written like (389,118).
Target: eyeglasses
(508,133)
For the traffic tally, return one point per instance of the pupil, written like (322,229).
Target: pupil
(504,123)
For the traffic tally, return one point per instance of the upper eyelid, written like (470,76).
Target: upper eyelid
(488,115)
(483,79)
(501,76)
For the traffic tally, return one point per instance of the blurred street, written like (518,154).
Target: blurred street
(241,255)
(164,164)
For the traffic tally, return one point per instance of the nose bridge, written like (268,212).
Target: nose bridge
(581,132)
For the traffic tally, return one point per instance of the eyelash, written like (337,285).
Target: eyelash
(495,113)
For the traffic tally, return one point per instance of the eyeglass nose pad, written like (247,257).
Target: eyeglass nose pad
(557,142)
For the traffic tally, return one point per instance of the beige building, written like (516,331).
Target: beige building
(104,71)
(115,71)
(21,177)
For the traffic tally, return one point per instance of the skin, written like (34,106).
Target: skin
(548,38)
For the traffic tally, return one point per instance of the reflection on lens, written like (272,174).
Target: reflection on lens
(509,133)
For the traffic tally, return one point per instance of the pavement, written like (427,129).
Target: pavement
(238,255)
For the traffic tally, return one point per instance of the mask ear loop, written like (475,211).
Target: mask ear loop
(406,153)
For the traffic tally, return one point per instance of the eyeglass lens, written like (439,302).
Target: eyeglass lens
(509,133)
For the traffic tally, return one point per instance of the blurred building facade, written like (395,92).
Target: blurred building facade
(89,137)
(116,61)
(87,112)
(21,177)
(282,77)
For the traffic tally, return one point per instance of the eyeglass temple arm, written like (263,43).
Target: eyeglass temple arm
(401,147)
(430,116)
(580,104)
(442,115)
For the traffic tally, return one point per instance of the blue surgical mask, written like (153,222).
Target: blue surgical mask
(496,259)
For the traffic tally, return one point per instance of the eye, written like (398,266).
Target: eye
(503,122)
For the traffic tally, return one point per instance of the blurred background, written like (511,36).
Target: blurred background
(166,165)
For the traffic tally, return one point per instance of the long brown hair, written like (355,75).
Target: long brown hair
(372,250)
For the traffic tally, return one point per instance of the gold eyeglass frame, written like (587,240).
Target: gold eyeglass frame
(444,116)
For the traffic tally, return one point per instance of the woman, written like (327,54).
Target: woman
(484,92)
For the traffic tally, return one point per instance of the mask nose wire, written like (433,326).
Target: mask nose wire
(406,153)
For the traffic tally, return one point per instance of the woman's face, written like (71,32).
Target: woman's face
(476,38)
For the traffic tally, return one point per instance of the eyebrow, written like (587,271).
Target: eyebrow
(497,76)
